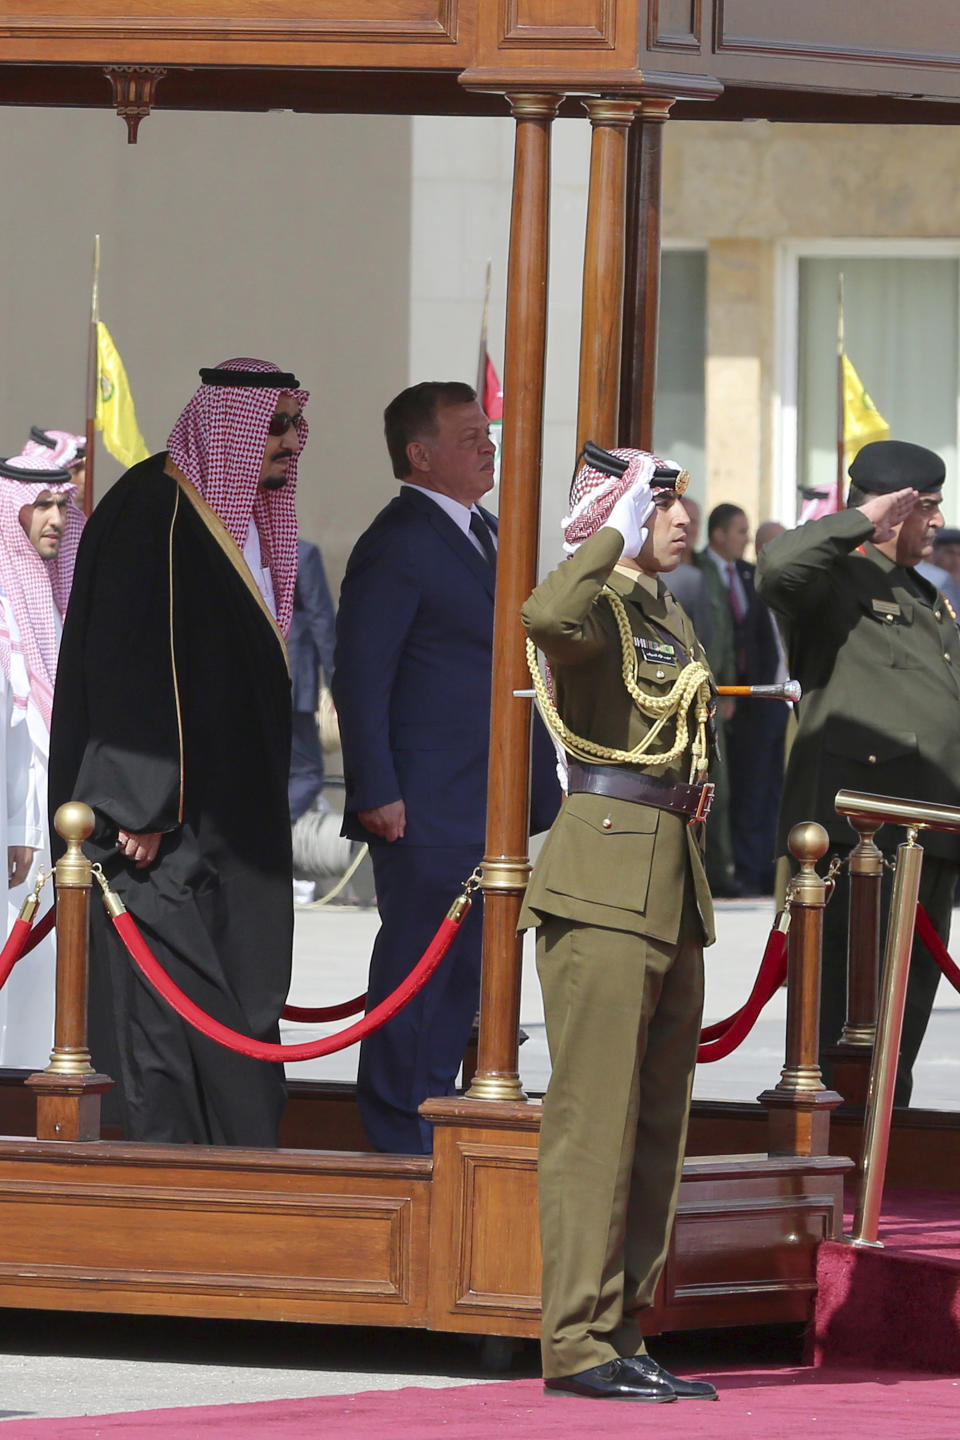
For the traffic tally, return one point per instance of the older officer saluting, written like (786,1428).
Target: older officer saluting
(876,650)
(622,910)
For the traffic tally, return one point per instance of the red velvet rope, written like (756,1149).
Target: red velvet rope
(936,947)
(41,931)
(723,1036)
(126,928)
(20,941)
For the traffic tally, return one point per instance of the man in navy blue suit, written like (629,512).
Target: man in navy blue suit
(755,733)
(412,691)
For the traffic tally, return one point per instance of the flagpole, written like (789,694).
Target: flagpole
(92,376)
(482,357)
(840,415)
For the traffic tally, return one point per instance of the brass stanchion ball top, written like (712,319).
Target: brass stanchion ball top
(74,821)
(808,842)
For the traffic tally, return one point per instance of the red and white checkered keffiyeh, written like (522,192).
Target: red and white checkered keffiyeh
(31,586)
(594,494)
(218,443)
(63,450)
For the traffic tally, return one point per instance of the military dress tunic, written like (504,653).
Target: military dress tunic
(876,650)
(622,910)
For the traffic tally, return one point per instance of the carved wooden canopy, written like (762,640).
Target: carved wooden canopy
(812,60)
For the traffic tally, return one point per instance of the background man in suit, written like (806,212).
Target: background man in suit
(622,910)
(412,690)
(717,641)
(687,584)
(311,653)
(754,732)
(310,648)
(877,652)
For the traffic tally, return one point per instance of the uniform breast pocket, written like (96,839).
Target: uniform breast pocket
(604,852)
(890,634)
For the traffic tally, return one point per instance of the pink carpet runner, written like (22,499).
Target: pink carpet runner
(775,1404)
(898,1307)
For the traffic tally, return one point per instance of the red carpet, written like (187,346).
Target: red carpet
(777,1404)
(898,1307)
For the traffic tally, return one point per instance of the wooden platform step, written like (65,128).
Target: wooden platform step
(448,1243)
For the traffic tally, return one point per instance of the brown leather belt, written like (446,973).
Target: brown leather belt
(694,801)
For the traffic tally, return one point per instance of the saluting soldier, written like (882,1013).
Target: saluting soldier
(622,909)
(876,649)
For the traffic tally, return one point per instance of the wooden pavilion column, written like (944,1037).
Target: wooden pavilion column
(506,863)
(601,325)
(641,318)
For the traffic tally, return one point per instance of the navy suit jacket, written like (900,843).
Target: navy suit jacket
(412,678)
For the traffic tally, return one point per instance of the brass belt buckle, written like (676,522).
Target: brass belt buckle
(703,806)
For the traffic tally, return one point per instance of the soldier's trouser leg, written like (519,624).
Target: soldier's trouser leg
(937,884)
(623,1021)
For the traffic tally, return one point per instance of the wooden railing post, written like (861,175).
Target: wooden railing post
(852,1054)
(68,1091)
(506,864)
(799,1106)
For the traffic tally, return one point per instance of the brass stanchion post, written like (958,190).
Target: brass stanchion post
(883,1071)
(68,1091)
(799,1105)
(852,1054)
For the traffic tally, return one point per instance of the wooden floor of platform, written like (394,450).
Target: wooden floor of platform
(448,1242)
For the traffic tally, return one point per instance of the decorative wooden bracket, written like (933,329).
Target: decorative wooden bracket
(134,87)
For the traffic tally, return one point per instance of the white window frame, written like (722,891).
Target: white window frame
(787,323)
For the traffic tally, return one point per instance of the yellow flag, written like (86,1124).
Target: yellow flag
(115,414)
(862,421)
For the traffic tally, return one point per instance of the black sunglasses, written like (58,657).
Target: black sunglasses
(280,423)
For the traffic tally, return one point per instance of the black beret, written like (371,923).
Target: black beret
(946,536)
(889,465)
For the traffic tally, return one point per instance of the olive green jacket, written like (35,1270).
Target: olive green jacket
(877,652)
(611,862)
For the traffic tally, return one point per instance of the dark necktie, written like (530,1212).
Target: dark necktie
(480,528)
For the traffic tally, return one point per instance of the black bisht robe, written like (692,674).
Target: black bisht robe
(172,714)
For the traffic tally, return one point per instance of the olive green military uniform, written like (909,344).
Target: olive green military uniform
(877,652)
(622,907)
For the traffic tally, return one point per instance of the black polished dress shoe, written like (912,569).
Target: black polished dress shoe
(616,1380)
(648,1368)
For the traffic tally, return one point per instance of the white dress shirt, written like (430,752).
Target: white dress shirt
(260,572)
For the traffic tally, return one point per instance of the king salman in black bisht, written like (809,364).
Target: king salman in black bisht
(172,720)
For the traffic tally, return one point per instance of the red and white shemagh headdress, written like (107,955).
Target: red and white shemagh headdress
(218,443)
(59,448)
(31,586)
(593,494)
